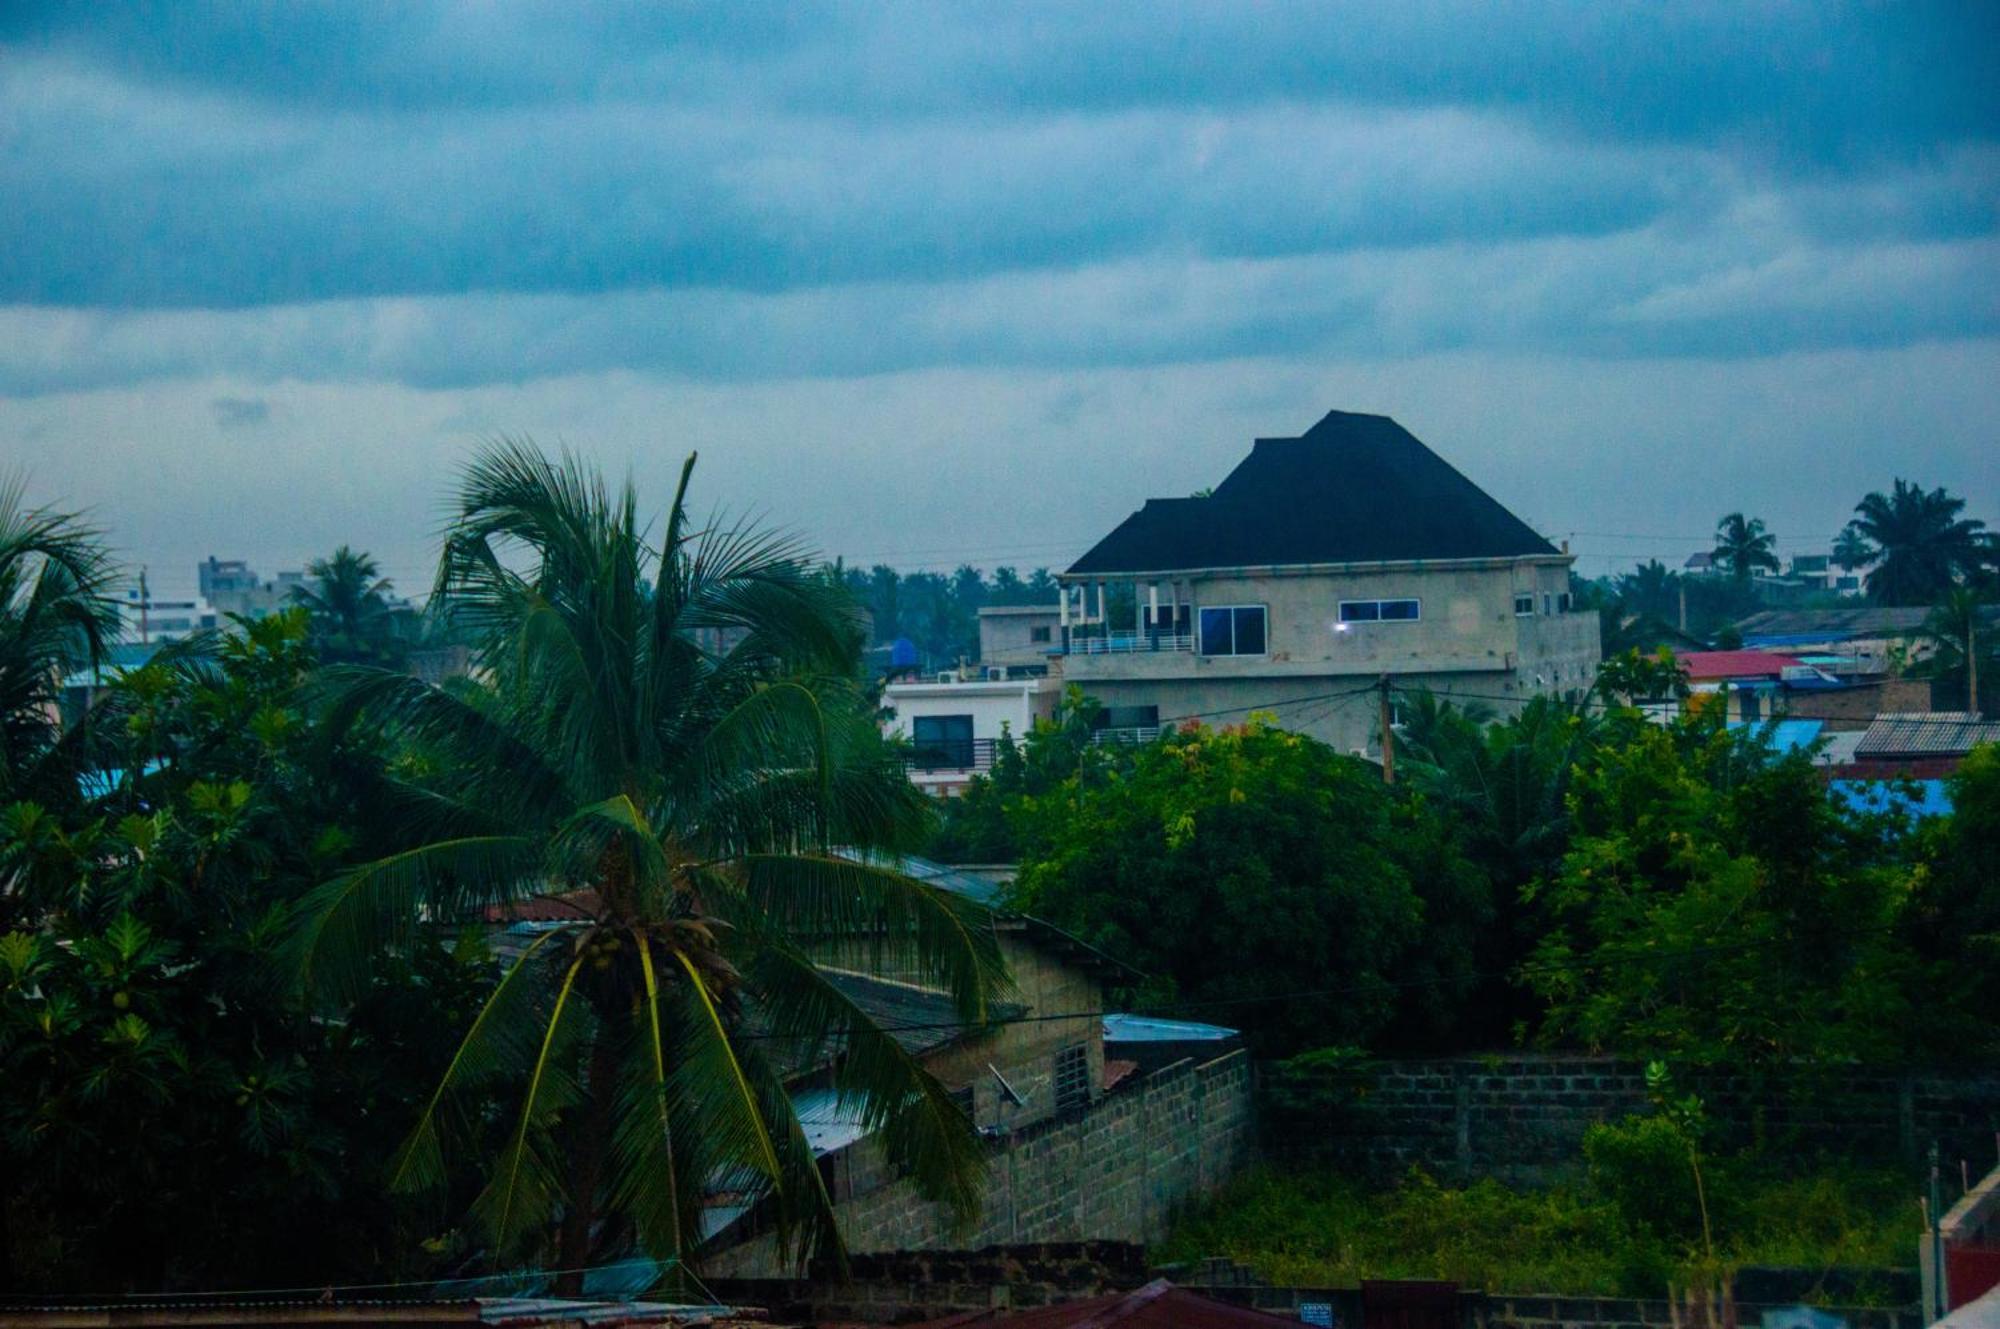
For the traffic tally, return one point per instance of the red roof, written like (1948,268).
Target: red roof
(1708,666)
(1158,1305)
(567,908)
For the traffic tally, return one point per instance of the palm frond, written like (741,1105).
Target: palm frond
(345,920)
(948,941)
(498,1042)
(527,1179)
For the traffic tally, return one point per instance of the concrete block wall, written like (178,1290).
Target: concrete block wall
(1522,1118)
(1114,1172)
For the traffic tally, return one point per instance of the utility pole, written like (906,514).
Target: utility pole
(145,603)
(1388,738)
(1942,1293)
(1684,604)
(1972,660)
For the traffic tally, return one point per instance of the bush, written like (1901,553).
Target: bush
(1640,1165)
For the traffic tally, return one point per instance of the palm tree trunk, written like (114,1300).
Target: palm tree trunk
(573,1246)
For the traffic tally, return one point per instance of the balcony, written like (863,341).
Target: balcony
(1126,735)
(937,756)
(1098,641)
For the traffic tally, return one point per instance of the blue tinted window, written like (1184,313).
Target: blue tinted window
(1216,637)
(1360,611)
(1402,610)
(1250,631)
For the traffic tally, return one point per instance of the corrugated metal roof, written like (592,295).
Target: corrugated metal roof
(1709,665)
(1158,1305)
(1926,734)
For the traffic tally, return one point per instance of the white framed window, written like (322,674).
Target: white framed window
(1380,611)
(1548,603)
(1233,630)
(1072,1079)
(1524,605)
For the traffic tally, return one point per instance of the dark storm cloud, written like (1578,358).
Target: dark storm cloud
(452,194)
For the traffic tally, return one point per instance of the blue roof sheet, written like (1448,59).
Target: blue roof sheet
(1147,1029)
(1916,799)
(1784,735)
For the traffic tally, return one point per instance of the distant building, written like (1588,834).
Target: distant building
(954,721)
(147,619)
(1864,640)
(1020,637)
(232,586)
(1319,565)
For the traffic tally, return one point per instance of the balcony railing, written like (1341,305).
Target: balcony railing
(1128,643)
(1126,735)
(950,754)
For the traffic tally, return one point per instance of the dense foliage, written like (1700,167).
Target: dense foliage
(1608,1235)
(1576,875)
(1261,875)
(173,1116)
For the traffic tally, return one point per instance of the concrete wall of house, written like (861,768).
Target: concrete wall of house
(1116,1170)
(1025,1052)
(1011,706)
(1007,635)
(1468,640)
(1856,708)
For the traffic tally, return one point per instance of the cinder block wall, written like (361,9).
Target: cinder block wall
(1522,1118)
(1114,1172)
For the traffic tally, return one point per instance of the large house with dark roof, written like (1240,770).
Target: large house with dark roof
(1319,565)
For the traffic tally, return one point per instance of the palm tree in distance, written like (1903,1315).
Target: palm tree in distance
(1742,545)
(347,601)
(1650,591)
(1925,546)
(666,737)
(56,616)
(1851,549)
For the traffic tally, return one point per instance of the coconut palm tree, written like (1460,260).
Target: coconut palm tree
(1966,642)
(347,600)
(1925,546)
(56,617)
(1851,549)
(664,737)
(1742,545)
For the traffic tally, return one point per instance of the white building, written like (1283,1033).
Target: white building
(954,723)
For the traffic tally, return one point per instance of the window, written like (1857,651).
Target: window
(1548,603)
(1563,603)
(943,742)
(1072,1079)
(1380,611)
(1038,635)
(1233,630)
(1524,605)
(962,1100)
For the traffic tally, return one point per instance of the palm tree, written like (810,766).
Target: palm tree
(1926,547)
(347,599)
(56,617)
(1966,654)
(1851,549)
(1743,545)
(685,799)
(1651,590)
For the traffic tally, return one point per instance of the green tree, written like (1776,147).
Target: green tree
(1715,907)
(352,619)
(1262,870)
(1651,590)
(1924,546)
(56,617)
(1953,920)
(1851,550)
(1742,546)
(147,1048)
(1965,640)
(689,800)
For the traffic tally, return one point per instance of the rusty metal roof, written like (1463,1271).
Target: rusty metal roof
(1158,1305)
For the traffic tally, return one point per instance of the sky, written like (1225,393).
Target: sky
(935,283)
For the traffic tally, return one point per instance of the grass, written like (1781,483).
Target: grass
(1317,1227)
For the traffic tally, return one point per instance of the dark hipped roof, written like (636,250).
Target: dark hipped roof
(1352,489)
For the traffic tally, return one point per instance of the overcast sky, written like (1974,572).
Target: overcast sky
(933,283)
